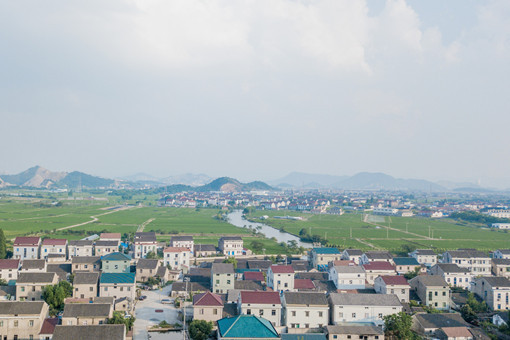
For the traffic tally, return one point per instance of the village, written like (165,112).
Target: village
(120,288)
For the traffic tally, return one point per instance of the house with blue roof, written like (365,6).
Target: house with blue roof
(116,263)
(405,265)
(246,327)
(118,285)
(320,257)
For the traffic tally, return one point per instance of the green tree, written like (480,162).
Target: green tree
(152,255)
(3,282)
(200,329)
(231,260)
(119,319)
(257,245)
(468,313)
(3,245)
(55,295)
(398,326)
(412,274)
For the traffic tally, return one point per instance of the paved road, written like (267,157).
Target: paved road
(145,312)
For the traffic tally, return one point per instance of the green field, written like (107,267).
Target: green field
(355,231)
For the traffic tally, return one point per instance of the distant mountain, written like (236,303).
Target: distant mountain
(380,181)
(187,179)
(233,185)
(457,185)
(140,177)
(304,180)
(76,179)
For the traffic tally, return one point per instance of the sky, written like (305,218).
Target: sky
(257,89)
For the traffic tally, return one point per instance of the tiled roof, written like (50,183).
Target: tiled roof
(91,332)
(116,257)
(207,299)
(405,261)
(378,265)
(439,320)
(326,251)
(86,278)
(147,264)
(378,255)
(9,264)
(73,310)
(246,326)
(457,332)
(116,236)
(350,269)
(395,280)
(248,285)
(452,268)
(254,276)
(175,249)
(107,243)
(48,326)
(467,253)
(145,237)
(430,280)
(340,263)
(204,247)
(312,276)
(54,242)
(303,284)
(86,259)
(26,241)
(117,278)
(364,299)
(257,297)
(496,281)
(314,299)
(355,329)
(282,269)
(304,336)
(181,238)
(81,243)
(259,264)
(231,238)
(502,262)
(354,252)
(33,264)
(21,308)
(191,286)
(222,268)
(35,278)
(425,252)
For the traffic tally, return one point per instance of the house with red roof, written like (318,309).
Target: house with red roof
(263,304)
(378,268)
(47,328)
(207,306)
(254,276)
(281,278)
(9,269)
(26,248)
(56,246)
(393,284)
(301,285)
(177,258)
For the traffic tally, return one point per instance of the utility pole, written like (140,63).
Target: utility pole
(429,231)
(186,279)
(432,233)
(351,232)
(407,230)
(387,232)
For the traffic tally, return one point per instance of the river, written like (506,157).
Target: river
(236,218)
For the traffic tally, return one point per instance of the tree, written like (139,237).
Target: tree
(3,245)
(200,329)
(257,245)
(3,282)
(398,326)
(55,295)
(412,274)
(152,255)
(468,313)
(119,319)
(231,260)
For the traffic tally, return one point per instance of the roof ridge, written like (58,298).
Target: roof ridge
(232,325)
(259,319)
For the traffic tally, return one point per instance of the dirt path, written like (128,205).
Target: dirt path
(395,229)
(142,226)
(366,243)
(94,218)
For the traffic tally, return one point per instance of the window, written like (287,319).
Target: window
(15,323)
(261,312)
(320,314)
(31,323)
(201,311)
(248,311)
(293,313)
(307,325)
(444,293)
(215,311)
(91,289)
(22,289)
(380,315)
(307,313)
(353,315)
(228,282)
(273,312)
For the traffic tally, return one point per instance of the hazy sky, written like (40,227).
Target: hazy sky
(257,89)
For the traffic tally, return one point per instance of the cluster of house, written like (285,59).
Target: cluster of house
(331,294)
(345,295)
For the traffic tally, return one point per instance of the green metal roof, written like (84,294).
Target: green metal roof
(246,326)
(326,250)
(405,261)
(117,278)
(116,257)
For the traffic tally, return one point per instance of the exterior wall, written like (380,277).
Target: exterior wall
(207,313)
(142,249)
(501,270)
(306,317)
(496,298)
(9,274)
(371,275)
(22,326)
(402,292)
(109,266)
(347,280)
(177,260)
(105,250)
(437,297)
(273,313)
(183,244)
(84,291)
(51,249)
(221,283)
(85,267)
(22,252)
(117,290)
(280,281)
(428,260)
(372,314)
(478,266)
(231,247)
(143,275)
(80,251)
(333,336)
(83,321)
(401,270)
(324,259)
(345,256)
(32,291)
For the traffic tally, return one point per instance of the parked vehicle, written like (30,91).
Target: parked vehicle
(167,301)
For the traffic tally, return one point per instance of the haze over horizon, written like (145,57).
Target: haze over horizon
(256,90)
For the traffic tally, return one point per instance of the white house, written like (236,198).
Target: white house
(426,257)
(305,310)
(348,277)
(26,248)
(144,243)
(494,290)
(397,285)
(454,275)
(280,278)
(54,247)
(476,261)
(266,305)
(178,258)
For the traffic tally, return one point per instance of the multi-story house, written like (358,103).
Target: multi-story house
(405,265)
(144,243)
(118,285)
(365,308)
(474,260)
(494,290)
(305,310)
(320,257)
(231,245)
(103,248)
(376,256)
(85,285)
(29,286)
(53,246)
(22,320)
(454,275)
(207,306)
(347,332)
(183,242)
(352,255)
(222,277)
(378,268)
(502,254)
(33,266)
(80,248)
(432,290)
(347,277)
(84,314)
(397,285)
(426,257)
(266,305)
(204,250)
(26,248)
(501,267)
(146,268)
(9,269)
(85,263)
(177,258)
(116,263)
(280,278)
